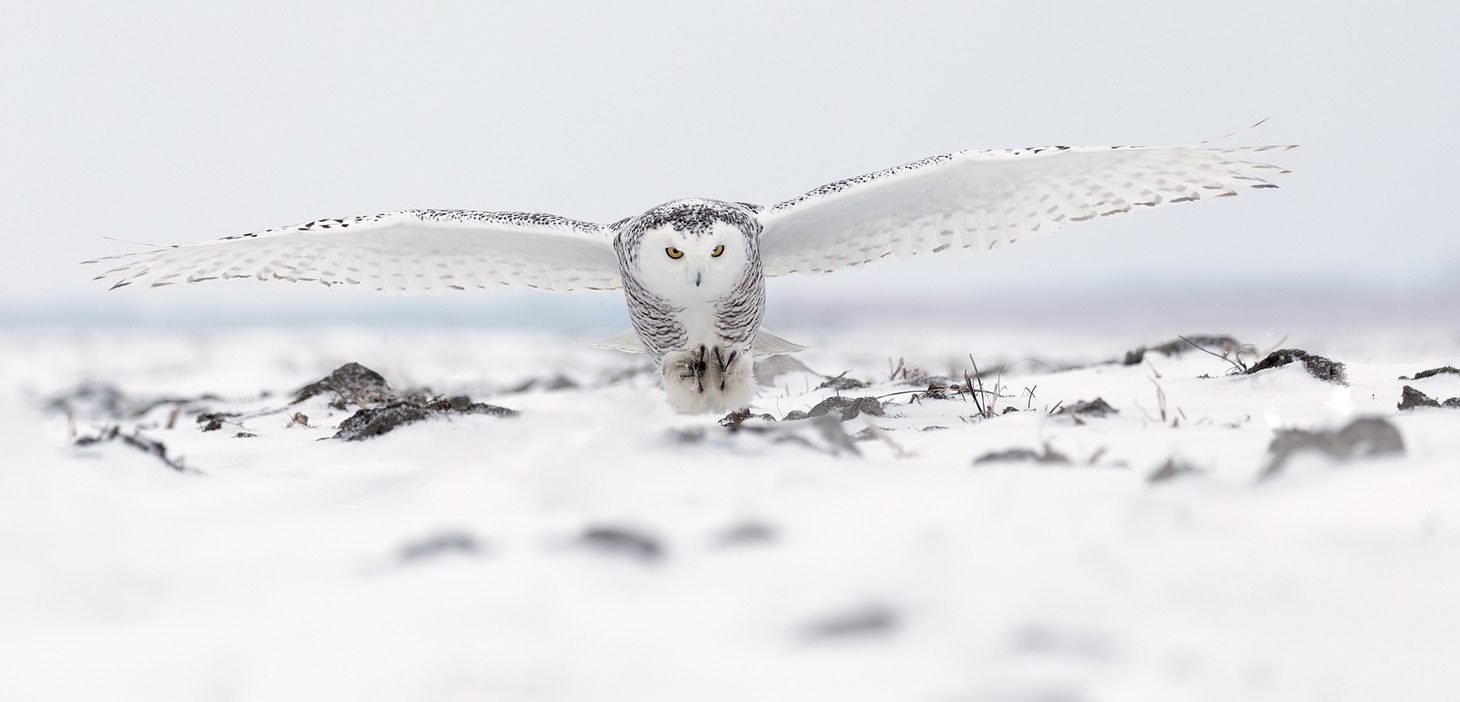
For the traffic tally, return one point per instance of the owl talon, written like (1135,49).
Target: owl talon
(700,367)
(723,362)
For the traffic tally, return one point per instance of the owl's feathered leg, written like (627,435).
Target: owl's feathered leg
(708,380)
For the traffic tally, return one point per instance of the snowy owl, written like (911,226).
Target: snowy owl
(693,271)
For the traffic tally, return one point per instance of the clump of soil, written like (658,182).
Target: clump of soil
(621,541)
(821,433)
(842,383)
(1097,407)
(1211,343)
(1411,398)
(733,420)
(96,399)
(213,421)
(1317,366)
(1431,372)
(350,383)
(1024,455)
(842,408)
(557,382)
(867,620)
(746,534)
(1171,470)
(445,543)
(372,422)
(136,441)
(1361,438)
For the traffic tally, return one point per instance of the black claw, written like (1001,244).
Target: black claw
(699,369)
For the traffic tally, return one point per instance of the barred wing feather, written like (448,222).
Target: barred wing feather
(409,250)
(987,199)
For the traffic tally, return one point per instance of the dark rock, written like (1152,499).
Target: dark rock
(350,383)
(557,382)
(619,541)
(1175,347)
(445,543)
(1020,455)
(1362,438)
(1093,408)
(867,620)
(93,400)
(1432,372)
(733,420)
(1317,366)
(931,381)
(842,383)
(1171,470)
(747,534)
(847,407)
(213,421)
(1412,398)
(367,423)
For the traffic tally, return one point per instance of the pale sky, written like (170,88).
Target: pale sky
(180,122)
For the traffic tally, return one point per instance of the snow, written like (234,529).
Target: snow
(448,559)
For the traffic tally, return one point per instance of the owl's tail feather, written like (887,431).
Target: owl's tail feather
(626,341)
(766,344)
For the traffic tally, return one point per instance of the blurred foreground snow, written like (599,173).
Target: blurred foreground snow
(599,547)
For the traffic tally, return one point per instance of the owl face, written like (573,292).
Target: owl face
(693,265)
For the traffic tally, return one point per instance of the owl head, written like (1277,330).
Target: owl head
(691,250)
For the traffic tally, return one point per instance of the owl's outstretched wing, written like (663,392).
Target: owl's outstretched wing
(986,199)
(409,250)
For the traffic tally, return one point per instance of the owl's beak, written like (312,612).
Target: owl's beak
(699,276)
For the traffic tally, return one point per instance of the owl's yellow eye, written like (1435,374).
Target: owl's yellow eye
(674,253)
(718,250)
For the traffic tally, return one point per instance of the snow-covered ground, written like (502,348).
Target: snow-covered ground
(599,547)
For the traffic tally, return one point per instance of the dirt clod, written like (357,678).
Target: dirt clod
(746,534)
(866,620)
(1097,407)
(841,383)
(213,421)
(1214,343)
(845,408)
(1317,366)
(1024,455)
(350,383)
(1431,372)
(1411,398)
(1361,438)
(733,420)
(1171,470)
(445,543)
(556,382)
(621,541)
(372,422)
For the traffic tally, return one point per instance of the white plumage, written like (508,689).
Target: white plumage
(693,270)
